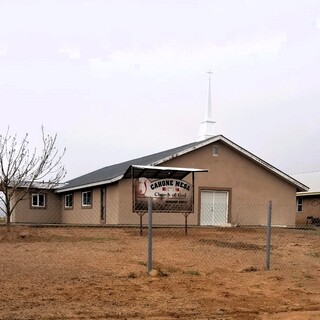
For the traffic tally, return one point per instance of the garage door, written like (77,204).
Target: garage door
(214,208)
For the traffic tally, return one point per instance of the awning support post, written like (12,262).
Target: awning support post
(149,234)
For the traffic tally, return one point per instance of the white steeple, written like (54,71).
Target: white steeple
(207,126)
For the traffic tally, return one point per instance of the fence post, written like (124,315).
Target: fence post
(186,224)
(269,234)
(149,234)
(140,215)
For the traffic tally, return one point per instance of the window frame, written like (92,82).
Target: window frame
(38,202)
(65,201)
(299,207)
(85,205)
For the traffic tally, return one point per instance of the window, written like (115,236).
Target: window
(215,150)
(86,199)
(38,200)
(68,201)
(299,204)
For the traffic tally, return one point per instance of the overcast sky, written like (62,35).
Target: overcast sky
(122,79)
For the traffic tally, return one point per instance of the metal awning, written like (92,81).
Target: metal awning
(155,172)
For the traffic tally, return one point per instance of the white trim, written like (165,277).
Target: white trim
(265,164)
(306,194)
(90,185)
(169,168)
(95,184)
(244,152)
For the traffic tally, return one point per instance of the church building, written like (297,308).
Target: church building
(213,181)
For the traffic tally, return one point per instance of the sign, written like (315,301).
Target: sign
(168,195)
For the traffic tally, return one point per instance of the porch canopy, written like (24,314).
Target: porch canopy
(155,172)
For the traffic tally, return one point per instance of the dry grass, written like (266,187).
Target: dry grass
(101,273)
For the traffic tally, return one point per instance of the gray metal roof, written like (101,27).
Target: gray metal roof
(116,172)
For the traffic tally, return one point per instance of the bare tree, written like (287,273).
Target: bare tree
(22,169)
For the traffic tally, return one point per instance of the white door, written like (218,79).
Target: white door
(214,208)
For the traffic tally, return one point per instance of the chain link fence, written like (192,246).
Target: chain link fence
(92,263)
(231,237)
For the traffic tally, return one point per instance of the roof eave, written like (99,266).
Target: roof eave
(266,165)
(178,154)
(90,185)
(299,186)
(308,193)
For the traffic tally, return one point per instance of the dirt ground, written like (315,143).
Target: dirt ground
(101,273)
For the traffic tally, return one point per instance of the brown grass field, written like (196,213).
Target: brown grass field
(101,273)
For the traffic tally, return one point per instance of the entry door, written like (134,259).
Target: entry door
(214,208)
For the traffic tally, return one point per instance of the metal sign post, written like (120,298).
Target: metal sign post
(149,234)
(269,234)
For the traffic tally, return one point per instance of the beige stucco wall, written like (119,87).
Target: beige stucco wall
(250,188)
(310,207)
(23,212)
(113,204)
(79,214)
(83,215)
